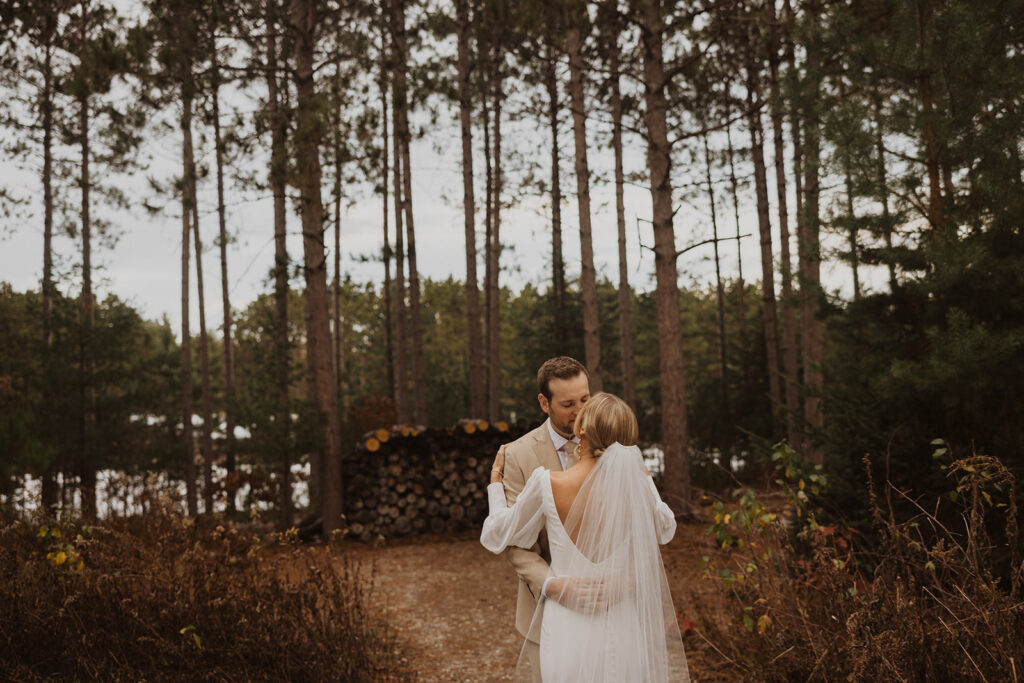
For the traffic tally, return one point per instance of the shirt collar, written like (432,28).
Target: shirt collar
(557,439)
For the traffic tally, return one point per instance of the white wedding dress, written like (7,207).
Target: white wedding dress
(620,625)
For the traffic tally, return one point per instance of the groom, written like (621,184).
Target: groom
(563,386)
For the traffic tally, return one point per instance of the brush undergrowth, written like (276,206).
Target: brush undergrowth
(930,598)
(159,598)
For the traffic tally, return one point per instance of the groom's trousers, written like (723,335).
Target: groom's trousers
(532,652)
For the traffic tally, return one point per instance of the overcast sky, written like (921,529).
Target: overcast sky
(142,264)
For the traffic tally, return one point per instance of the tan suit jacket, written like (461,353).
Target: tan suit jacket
(522,457)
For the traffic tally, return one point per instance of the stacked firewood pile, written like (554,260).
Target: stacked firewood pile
(406,480)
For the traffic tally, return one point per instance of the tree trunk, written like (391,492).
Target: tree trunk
(489,273)
(936,214)
(765,229)
(494,254)
(48,494)
(671,363)
(401,106)
(401,330)
(853,232)
(206,438)
(812,332)
(225,288)
(557,259)
(282,364)
(588,275)
(389,349)
(722,351)
(339,332)
(402,136)
(791,371)
(883,193)
(87,464)
(626,366)
(741,287)
(477,383)
(308,129)
(187,202)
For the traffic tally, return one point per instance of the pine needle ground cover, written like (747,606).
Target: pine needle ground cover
(164,598)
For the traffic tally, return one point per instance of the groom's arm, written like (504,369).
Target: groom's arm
(529,565)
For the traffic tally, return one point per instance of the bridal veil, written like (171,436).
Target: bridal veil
(615,616)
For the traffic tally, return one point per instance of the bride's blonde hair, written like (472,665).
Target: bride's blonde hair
(605,419)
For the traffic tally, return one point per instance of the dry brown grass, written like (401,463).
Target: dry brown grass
(161,598)
(925,602)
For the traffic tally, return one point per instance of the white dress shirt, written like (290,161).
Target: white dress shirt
(566,453)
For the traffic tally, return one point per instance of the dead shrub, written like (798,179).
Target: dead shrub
(158,598)
(925,603)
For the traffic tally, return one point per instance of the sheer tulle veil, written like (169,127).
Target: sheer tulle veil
(623,624)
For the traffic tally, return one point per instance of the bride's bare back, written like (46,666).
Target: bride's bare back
(566,485)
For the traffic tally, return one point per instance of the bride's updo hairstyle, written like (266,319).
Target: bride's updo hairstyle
(605,419)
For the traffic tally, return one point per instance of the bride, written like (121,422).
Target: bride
(608,614)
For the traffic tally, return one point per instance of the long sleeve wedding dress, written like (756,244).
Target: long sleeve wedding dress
(614,620)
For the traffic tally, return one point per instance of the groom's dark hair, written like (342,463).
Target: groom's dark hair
(559,367)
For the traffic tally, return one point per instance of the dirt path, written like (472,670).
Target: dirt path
(452,603)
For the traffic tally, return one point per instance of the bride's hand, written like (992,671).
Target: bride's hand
(498,468)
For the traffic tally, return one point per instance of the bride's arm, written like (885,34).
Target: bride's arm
(664,518)
(517,525)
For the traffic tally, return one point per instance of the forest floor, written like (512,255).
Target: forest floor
(451,603)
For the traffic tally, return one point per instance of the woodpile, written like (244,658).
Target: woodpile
(413,480)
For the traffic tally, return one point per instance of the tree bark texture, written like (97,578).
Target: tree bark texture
(206,436)
(386,255)
(401,326)
(339,330)
(588,274)
(812,329)
(489,274)
(187,202)
(282,364)
(477,382)
(790,360)
(494,253)
(87,464)
(401,106)
(557,257)
(719,289)
(768,307)
(49,492)
(741,287)
(671,365)
(626,366)
(318,336)
(225,287)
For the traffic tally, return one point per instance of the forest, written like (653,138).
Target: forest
(865,372)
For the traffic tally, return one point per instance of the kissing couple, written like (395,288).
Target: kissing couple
(575,511)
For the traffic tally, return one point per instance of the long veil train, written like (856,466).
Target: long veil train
(621,624)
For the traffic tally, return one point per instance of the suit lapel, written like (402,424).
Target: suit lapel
(545,450)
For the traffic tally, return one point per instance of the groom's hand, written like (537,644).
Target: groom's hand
(498,468)
(587,595)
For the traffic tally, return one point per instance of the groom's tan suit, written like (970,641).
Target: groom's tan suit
(522,457)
